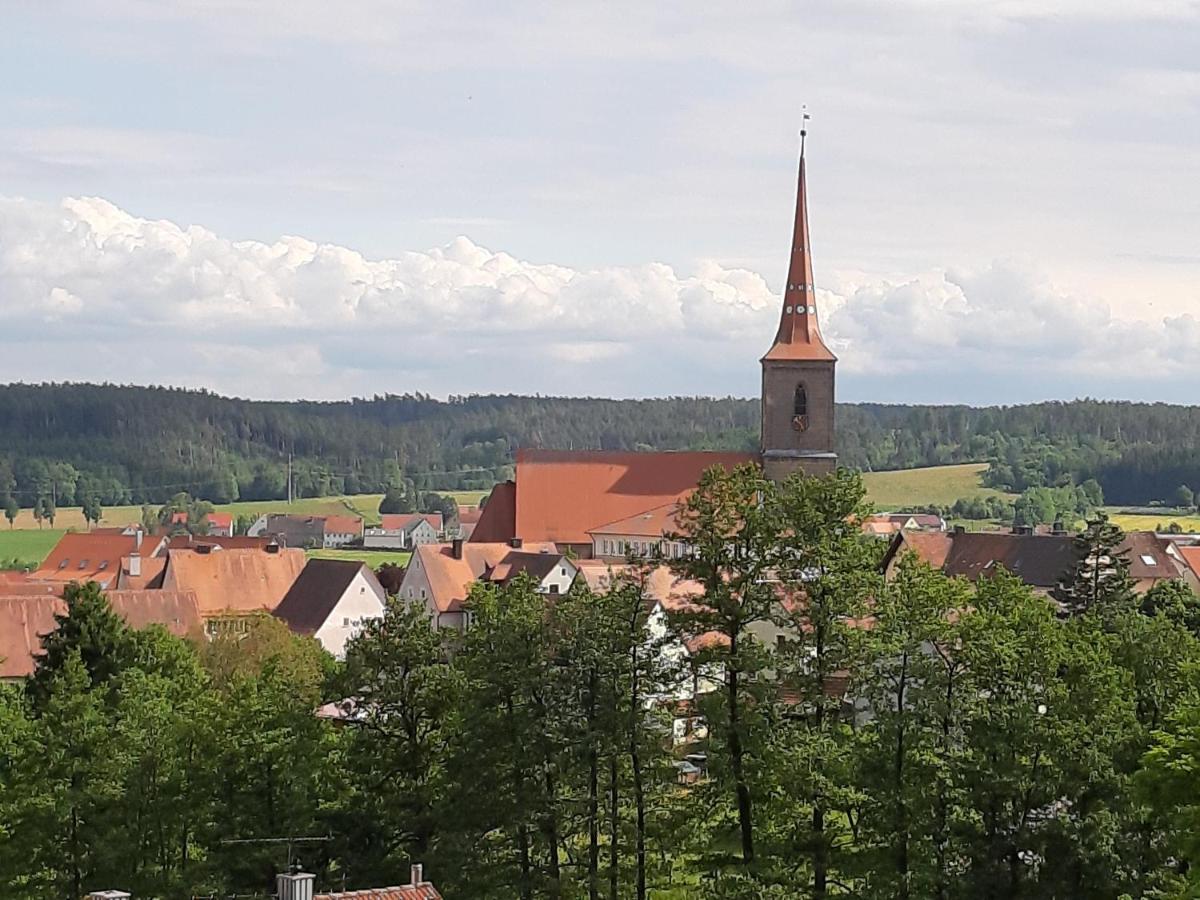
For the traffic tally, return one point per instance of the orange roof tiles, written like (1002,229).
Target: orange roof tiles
(450,579)
(235,581)
(219,519)
(402,892)
(653,523)
(560,494)
(151,575)
(343,525)
(88,556)
(25,619)
(401,521)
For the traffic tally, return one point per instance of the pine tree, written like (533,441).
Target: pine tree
(1100,576)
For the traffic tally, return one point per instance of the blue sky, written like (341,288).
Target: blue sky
(595,198)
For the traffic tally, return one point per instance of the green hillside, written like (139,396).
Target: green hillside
(940,485)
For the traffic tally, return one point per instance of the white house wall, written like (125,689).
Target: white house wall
(362,600)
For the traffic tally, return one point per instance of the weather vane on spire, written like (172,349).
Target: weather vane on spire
(804,117)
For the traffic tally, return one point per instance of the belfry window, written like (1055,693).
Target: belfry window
(800,406)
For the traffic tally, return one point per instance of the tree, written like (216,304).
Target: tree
(398,499)
(391,576)
(1183,497)
(92,512)
(11,510)
(404,692)
(1100,577)
(49,511)
(733,536)
(90,630)
(825,566)
(39,510)
(1175,600)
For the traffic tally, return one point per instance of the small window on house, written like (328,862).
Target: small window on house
(422,593)
(345,621)
(83,564)
(63,564)
(1149,560)
(562,570)
(554,588)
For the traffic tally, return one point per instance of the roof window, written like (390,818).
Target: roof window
(1149,560)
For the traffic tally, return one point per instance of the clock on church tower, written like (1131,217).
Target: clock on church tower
(798,370)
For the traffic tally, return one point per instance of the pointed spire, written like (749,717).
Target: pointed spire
(799,336)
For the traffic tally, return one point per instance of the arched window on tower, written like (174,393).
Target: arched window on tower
(800,409)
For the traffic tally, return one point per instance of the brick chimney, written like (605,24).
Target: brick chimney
(456,548)
(295,886)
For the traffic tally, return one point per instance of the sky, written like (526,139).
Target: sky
(311,199)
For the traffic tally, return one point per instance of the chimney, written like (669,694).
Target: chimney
(135,564)
(271,547)
(295,886)
(417,876)
(137,539)
(1058,527)
(204,549)
(456,547)
(515,543)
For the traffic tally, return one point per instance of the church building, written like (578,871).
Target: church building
(566,497)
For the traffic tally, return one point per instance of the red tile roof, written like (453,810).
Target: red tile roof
(402,892)
(653,523)
(560,494)
(450,579)
(469,515)
(497,520)
(25,619)
(343,525)
(234,581)
(88,556)
(219,519)
(402,521)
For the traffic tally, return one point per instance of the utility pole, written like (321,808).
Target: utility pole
(289,478)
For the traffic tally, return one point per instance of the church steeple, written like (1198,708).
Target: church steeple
(798,370)
(799,334)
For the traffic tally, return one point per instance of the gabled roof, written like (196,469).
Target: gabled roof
(1150,557)
(24,620)
(406,521)
(312,597)
(1191,556)
(523,562)
(151,576)
(343,525)
(424,891)
(653,523)
(236,542)
(89,556)
(661,587)
(450,579)
(498,520)
(236,581)
(219,519)
(561,495)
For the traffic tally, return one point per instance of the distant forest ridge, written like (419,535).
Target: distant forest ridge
(124,444)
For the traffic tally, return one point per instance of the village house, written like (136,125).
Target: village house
(1041,561)
(303,532)
(331,600)
(643,534)
(404,531)
(220,524)
(342,530)
(232,586)
(26,617)
(439,576)
(93,556)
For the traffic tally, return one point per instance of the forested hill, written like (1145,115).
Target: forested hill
(135,444)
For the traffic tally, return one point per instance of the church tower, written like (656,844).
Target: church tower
(798,370)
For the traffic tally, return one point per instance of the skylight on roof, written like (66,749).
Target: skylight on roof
(1149,560)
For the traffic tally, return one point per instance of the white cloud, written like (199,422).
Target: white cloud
(129,299)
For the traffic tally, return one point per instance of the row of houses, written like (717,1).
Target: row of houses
(400,531)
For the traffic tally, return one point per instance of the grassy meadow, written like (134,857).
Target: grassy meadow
(373,558)
(942,485)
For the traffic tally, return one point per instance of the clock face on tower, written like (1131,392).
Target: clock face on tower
(800,423)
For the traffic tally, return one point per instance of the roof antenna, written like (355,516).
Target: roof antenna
(804,117)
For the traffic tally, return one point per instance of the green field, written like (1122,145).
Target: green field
(940,485)
(27,547)
(373,558)
(1130,522)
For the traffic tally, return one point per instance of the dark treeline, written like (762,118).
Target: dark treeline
(972,742)
(119,444)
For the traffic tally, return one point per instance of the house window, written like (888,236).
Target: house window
(562,571)
(554,588)
(346,622)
